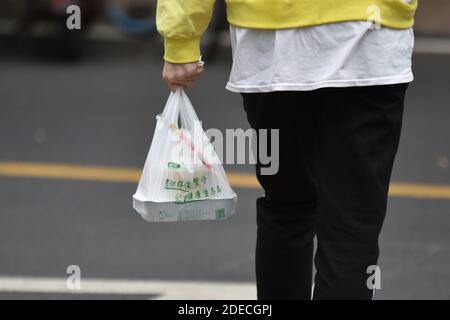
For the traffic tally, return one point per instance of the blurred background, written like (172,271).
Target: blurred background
(77,114)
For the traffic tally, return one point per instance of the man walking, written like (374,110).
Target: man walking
(332,77)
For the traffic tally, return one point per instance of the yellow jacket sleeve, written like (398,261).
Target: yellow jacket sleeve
(181,23)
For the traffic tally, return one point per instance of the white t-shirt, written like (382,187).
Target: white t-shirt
(342,54)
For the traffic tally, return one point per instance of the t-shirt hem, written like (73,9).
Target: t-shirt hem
(322,84)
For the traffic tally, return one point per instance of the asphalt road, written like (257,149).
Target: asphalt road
(101,111)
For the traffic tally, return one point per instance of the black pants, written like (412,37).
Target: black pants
(337,148)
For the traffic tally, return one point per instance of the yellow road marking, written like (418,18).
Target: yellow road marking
(131,175)
(69,172)
(243,180)
(419,190)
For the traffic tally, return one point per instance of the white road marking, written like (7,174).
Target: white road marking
(166,290)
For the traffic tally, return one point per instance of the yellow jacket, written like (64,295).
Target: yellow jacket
(182,22)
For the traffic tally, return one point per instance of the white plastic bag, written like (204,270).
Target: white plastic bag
(183,178)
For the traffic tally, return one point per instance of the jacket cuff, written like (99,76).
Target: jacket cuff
(181,50)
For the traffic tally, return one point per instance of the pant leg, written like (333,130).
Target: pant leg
(285,214)
(358,140)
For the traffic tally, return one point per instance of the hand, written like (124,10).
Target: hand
(181,74)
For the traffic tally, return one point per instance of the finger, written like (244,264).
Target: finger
(199,68)
(191,77)
(178,85)
(173,87)
(168,83)
(184,83)
(184,80)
